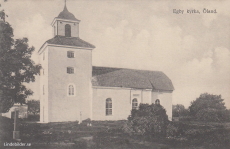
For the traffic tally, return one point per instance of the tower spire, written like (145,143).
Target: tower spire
(65,8)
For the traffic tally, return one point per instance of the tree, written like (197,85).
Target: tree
(179,110)
(16,68)
(2,13)
(208,107)
(150,120)
(33,106)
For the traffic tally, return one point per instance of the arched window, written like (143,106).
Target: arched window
(54,30)
(157,102)
(134,103)
(108,106)
(71,90)
(67,30)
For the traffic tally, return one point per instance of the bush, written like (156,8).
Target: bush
(149,120)
(179,110)
(33,106)
(172,131)
(6,129)
(208,107)
(195,134)
(212,115)
(33,117)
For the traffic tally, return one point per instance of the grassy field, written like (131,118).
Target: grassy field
(110,135)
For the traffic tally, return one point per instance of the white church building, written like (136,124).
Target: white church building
(72,89)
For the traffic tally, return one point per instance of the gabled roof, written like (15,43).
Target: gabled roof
(65,14)
(69,41)
(131,78)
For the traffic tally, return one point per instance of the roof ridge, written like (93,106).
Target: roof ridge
(130,69)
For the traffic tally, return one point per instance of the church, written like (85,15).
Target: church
(72,89)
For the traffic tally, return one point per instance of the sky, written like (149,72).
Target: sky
(193,50)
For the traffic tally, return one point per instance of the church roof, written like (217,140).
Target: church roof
(69,41)
(131,78)
(65,14)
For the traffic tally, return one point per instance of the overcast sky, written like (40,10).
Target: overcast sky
(193,50)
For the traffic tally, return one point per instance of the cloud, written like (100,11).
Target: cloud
(34,28)
(192,66)
(192,50)
(208,74)
(222,60)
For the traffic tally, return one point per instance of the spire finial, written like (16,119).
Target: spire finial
(65,8)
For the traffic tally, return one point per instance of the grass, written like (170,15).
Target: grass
(110,135)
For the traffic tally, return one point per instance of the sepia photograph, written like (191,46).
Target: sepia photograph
(114,74)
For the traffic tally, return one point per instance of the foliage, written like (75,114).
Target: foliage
(198,134)
(33,117)
(150,120)
(179,110)
(16,67)
(212,115)
(172,131)
(208,107)
(2,13)
(33,106)
(6,127)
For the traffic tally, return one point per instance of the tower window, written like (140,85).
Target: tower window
(134,103)
(67,30)
(71,90)
(108,106)
(157,102)
(70,54)
(70,70)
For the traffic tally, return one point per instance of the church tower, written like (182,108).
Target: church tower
(65,80)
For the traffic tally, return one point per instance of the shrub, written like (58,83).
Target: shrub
(33,106)
(6,129)
(212,115)
(33,117)
(195,134)
(179,110)
(149,120)
(172,131)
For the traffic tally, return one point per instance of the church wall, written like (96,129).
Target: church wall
(165,100)
(74,28)
(55,29)
(121,100)
(154,96)
(44,104)
(121,103)
(135,93)
(64,107)
(146,96)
